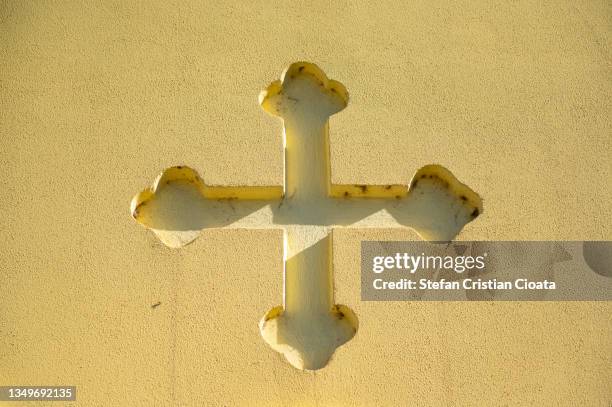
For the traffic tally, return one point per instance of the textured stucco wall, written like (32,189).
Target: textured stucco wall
(95,100)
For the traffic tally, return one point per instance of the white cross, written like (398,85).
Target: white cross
(308,327)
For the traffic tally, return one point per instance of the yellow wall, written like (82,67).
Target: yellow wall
(513,97)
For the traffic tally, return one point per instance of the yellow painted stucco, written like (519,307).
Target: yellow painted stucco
(97,99)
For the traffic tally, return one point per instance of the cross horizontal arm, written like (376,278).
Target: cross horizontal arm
(176,208)
(179,205)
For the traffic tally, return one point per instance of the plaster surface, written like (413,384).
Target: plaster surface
(515,98)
